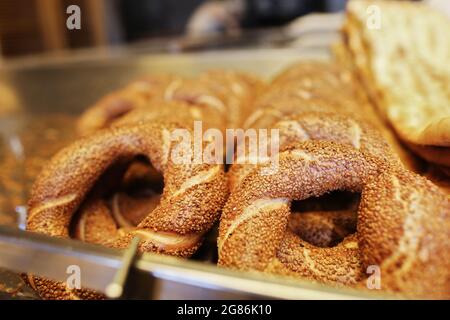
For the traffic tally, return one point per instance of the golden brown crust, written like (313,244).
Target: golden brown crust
(323,87)
(257,230)
(255,218)
(222,99)
(323,126)
(310,104)
(403,227)
(240,90)
(140,116)
(190,203)
(173,111)
(95,223)
(337,265)
(329,141)
(113,106)
(229,93)
(403,222)
(53,290)
(63,184)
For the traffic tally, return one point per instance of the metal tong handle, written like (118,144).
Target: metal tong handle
(115,289)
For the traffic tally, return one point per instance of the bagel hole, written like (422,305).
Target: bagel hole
(326,220)
(141,190)
(142,177)
(130,190)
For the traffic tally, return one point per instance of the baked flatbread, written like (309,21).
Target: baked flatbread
(405,64)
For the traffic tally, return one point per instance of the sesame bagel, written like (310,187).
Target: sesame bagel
(226,93)
(252,233)
(114,105)
(402,223)
(190,203)
(96,224)
(335,266)
(229,93)
(173,111)
(64,183)
(268,110)
(53,290)
(325,126)
(403,227)
(239,89)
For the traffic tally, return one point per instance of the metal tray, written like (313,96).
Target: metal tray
(42,97)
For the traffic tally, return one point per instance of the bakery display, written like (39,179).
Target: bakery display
(321,151)
(98,189)
(330,175)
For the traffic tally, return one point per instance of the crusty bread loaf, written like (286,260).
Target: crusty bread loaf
(405,66)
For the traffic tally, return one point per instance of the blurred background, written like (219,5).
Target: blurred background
(39,26)
(36,26)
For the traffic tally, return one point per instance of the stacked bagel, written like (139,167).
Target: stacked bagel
(101,188)
(340,201)
(329,142)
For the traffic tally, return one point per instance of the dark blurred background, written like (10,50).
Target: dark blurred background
(35,26)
